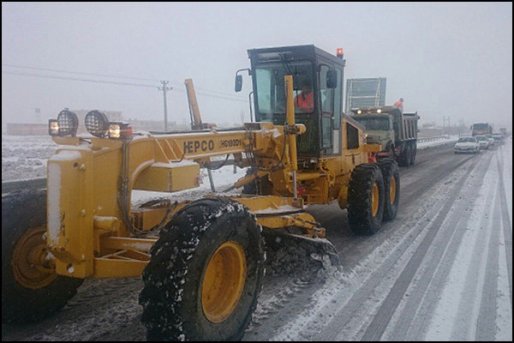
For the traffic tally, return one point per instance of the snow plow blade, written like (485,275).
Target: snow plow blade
(287,252)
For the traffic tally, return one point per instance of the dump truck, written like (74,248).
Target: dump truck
(395,131)
(202,261)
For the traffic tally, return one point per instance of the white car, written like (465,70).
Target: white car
(492,142)
(483,141)
(467,145)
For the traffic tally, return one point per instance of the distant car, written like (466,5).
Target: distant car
(492,142)
(498,138)
(467,145)
(483,141)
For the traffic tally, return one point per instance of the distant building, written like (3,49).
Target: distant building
(150,125)
(32,129)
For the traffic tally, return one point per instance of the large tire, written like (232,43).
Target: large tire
(408,155)
(204,275)
(414,150)
(366,199)
(403,159)
(390,149)
(391,175)
(31,290)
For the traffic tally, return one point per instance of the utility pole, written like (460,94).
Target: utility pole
(164,88)
(446,120)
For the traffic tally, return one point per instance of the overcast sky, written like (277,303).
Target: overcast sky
(445,59)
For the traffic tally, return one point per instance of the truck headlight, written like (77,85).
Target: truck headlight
(97,123)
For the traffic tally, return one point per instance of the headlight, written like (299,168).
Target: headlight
(359,111)
(67,123)
(53,127)
(379,110)
(119,130)
(97,123)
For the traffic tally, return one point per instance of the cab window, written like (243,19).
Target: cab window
(352,136)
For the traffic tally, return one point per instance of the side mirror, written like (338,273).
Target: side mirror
(239,83)
(331,79)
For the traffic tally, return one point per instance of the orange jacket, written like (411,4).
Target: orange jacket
(305,101)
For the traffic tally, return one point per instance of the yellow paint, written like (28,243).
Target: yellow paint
(223,281)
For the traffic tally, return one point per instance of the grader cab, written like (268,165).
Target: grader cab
(202,261)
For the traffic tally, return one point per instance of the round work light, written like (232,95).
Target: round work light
(97,123)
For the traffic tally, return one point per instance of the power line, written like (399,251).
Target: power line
(117,83)
(75,79)
(78,72)
(212,93)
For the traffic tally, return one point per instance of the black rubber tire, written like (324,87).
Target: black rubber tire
(408,158)
(403,158)
(414,150)
(22,211)
(390,170)
(171,297)
(390,149)
(360,216)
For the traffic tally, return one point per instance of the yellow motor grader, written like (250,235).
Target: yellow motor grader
(202,261)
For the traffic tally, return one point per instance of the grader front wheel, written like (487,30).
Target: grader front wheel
(205,274)
(31,290)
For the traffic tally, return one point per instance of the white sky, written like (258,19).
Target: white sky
(445,59)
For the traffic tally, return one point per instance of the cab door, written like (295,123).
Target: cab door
(330,100)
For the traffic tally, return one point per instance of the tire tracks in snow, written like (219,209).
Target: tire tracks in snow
(376,328)
(349,308)
(418,304)
(507,226)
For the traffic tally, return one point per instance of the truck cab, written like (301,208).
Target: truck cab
(379,128)
(311,66)
(394,130)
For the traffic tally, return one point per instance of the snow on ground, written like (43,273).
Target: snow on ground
(454,302)
(460,308)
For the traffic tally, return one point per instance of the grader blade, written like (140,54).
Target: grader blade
(287,252)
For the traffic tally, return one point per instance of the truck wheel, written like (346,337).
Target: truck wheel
(414,150)
(403,160)
(366,199)
(408,155)
(31,290)
(204,274)
(391,174)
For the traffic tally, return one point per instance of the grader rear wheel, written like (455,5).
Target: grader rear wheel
(31,290)
(204,275)
(366,199)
